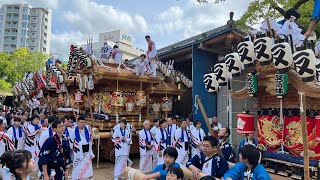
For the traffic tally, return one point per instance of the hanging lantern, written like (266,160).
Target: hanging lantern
(129,106)
(60,98)
(117,99)
(166,105)
(221,72)
(234,64)
(247,54)
(78,97)
(210,82)
(252,84)
(282,56)
(141,99)
(156,108)
(262,48)
(281,87)
(305,63)
(317,119)
(245,123)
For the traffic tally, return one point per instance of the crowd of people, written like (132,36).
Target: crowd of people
(47,145)
(166,147)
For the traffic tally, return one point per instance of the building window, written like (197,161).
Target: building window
(25,17)
(32,49)
(24,32)
(1,17)
(25,10)
(44,49)
(44,42)
(24,24)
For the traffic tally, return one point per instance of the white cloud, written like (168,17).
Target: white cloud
(60,43)
(91,17)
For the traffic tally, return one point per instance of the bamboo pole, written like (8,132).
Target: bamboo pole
(304,135)
(89,99)
(204,114)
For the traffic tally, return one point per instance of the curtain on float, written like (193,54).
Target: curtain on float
(271,132)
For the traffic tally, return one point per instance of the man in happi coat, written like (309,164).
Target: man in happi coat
(154,131)
(16,131)
(182,142)
(161,141)
(152,55)
(208,161)
(54,157)
(315,17)
(225,146)
(32,132)
(146,147)
(140,65)
(81,137)
(171,130)
(47,133)
(197,135)
(117,55)
(106,51)
(121,139)
(6,144)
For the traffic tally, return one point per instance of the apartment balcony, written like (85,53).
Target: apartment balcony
(11,25)
(33,29)
(34,21)
(12,11)
(32,44)
(9,49)
(32,36)
(12,18)
(34,14)
(9,41)
(10,33)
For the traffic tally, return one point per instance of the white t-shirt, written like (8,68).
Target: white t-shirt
(207,167)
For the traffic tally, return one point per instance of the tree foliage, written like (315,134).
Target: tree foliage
(14,66)
(259,9)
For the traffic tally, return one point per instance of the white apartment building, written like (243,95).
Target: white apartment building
(24,26)
(120,38)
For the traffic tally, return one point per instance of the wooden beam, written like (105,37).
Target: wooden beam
(229,39)
(202,46)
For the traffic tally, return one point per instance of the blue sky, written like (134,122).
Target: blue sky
(166,21)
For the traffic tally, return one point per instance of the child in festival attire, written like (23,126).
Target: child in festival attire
(19,163)
(248,167)
(6,144)
(81,137)
(54,157)
(16,131)
(160,171)
(175,173)
(121,139)
(33,132)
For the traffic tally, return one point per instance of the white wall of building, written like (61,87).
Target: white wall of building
(24,26)
(123,40)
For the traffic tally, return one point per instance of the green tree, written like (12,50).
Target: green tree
(14,66)
(259,9)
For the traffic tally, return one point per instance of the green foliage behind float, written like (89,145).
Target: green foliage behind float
(14,66)
(258,9)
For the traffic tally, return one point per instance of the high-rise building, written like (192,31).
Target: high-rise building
(24,26)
